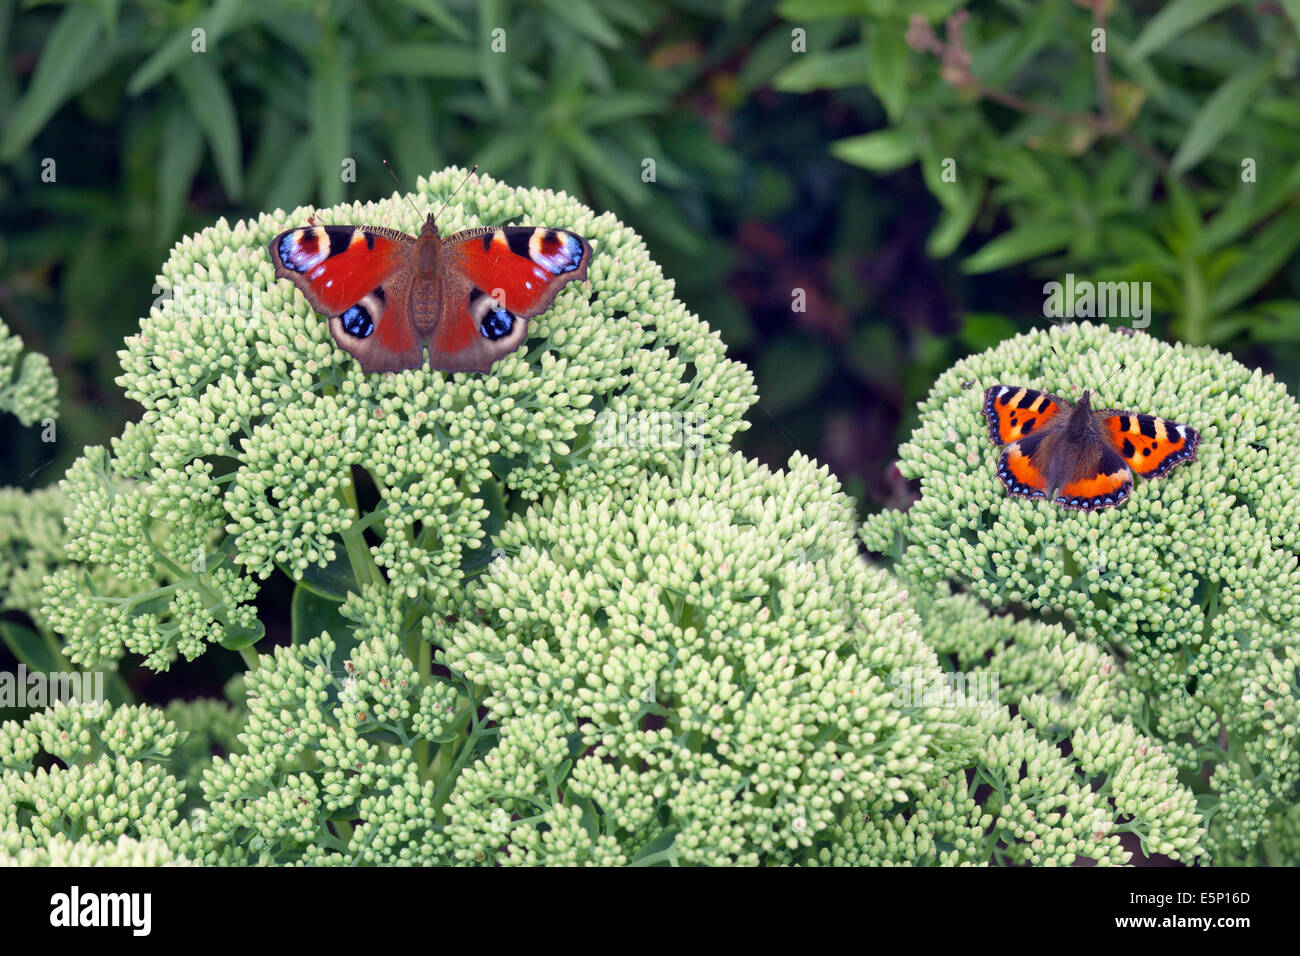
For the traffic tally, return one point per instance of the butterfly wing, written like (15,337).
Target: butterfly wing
(1023,465)
(360,278)
(1015,412)
(1150,446)
(1047,464)
(1099,480)
(494,281)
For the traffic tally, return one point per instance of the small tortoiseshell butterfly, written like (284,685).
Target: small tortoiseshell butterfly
(466,298)
(1077,457)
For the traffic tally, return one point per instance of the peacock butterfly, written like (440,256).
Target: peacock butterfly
(466,298)
(1074,456)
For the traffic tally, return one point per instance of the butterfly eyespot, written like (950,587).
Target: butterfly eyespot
(356,321)
(497,323)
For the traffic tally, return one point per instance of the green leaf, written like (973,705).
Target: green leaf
(882,151)
(1172,20)
(415,143)
(493,65)
(820,9)
(238,638)
(506,151)
(983,330)
(180,44)
(1268,252)
(182,152)
(211,106)
(328,106)
(333,582)
(618,107)
(1223,110)
(955,222)
(587,153)
(453,61)
(1248,206)
(792,371)
(1277,322)
(585,18)
(1020,245)
(59,74)
(818,71)
(1292,8)
(887,66)
(435,12)
(30,648)
(293,185)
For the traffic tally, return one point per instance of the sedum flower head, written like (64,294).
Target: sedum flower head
(1195,579)
(699,674)
(256,428)
(693,672)
(63,851)
(1074,737)
(330,771)
(31,546)
(105,779)
(28,389)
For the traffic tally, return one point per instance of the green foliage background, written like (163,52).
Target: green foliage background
(775,169)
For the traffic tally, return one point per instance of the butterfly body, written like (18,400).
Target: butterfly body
(465,300)
(1075,456)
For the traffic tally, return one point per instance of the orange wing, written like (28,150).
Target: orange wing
(1102,483)
(1150,446)
(1014,412)
(1022,475)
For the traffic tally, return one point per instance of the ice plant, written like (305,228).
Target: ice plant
(1194,580)
(547,616)
(695,670)
(87,772)
(263,446)
(31,546)
(28,389)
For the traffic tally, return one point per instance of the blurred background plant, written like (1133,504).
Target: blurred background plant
(784,159)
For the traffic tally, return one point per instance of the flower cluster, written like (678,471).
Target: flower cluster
(336,764)
(1069,777)
(106,781)
(62,851)
(700,671)
(31,546)
(521,637)
(28,389)
(263,446)
(1195,579)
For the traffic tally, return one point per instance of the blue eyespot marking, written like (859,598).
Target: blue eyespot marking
(497,323)
(356,321)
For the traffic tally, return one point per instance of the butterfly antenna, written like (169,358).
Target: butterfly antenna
(399,188)
(1072,382)
(454,191)
(1120,368)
